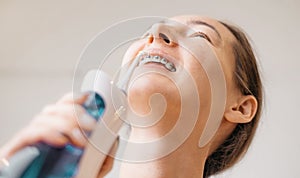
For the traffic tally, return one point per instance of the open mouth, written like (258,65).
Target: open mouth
(148,58)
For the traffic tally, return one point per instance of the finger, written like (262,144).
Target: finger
(63,109)
(67,110)
(16,165)
(76,114)
(78,98)
(11,147)
(56,130)
(78,137)
(57,139)
(86,122)
(109,161)
(66,124)
(72,130)
(29,136)
(107,167)
(53,130)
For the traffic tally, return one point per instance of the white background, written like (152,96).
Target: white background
(40,42)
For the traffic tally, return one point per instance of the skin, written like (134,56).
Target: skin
(54,119)
(238,109)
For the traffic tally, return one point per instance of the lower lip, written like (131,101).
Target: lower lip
(154,65)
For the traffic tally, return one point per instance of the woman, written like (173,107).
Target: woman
(57,125)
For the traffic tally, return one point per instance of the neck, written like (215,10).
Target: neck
(186,161)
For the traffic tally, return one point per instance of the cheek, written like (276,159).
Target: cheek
(132,51)
(203,86)
(228,66)
(205,97)
(200,79)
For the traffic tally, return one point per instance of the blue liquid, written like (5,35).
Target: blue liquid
(62,162)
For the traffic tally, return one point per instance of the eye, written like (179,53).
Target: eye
(202,35)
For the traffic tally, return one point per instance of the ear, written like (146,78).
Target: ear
(243,111)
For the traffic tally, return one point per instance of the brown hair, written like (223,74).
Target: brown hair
(247,78)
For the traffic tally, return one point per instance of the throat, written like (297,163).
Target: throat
(176,164)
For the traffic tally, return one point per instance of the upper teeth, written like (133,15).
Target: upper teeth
(157,59)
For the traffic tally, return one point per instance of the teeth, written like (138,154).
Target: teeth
(157,59)
(145,60)
(173,69)
(164,61)
(169,66)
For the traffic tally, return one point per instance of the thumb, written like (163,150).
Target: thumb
(109,161)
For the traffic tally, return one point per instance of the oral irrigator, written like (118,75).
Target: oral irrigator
(44,161)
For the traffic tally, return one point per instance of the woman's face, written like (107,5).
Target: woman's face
(185,42)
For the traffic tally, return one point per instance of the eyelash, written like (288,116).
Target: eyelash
(197,34)
(202,35)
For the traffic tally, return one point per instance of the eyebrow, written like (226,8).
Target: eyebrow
(199,22)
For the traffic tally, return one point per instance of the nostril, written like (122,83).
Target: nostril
(165,38)
(150,38)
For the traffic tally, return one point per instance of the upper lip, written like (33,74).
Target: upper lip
(159,52)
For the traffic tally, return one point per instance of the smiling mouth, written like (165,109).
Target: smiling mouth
(148,58)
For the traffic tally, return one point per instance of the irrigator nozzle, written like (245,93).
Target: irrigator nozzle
(123,82)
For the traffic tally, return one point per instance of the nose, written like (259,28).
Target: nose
(163,34)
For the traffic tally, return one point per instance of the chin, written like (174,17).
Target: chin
(142,88)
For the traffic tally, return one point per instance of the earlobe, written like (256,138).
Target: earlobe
(243,111)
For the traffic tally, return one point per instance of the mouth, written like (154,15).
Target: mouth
(159,59)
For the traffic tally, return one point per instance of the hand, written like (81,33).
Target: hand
(57,125)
